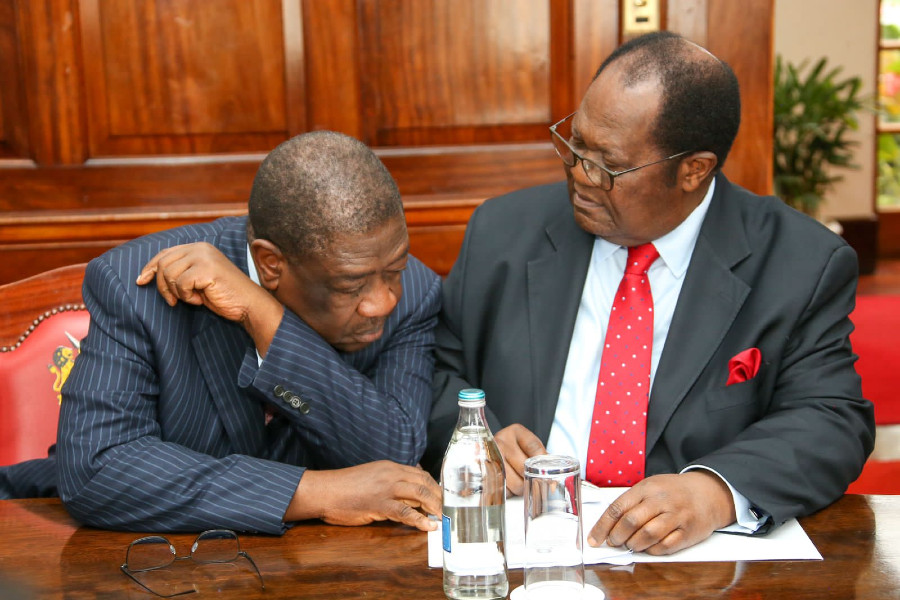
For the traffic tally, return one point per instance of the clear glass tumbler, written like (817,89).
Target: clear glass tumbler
(554,565)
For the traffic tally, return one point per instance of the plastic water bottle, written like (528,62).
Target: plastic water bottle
(474,501)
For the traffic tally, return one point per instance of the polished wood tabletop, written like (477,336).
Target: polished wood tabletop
(46,554)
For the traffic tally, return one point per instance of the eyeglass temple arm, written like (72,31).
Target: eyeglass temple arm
(252,562)
(128,572)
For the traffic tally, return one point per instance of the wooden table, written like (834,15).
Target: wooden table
(45,552)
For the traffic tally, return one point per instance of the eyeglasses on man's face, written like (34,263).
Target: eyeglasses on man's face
(560,133)
(155,552)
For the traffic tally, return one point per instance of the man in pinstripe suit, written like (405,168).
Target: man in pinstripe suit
(279,370)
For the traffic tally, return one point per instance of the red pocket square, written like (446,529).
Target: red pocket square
(744,366)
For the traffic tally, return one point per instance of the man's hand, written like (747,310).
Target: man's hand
(200,274)
(377,491)
(665,513)
(517,443)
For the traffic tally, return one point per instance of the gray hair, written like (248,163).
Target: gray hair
(318,184)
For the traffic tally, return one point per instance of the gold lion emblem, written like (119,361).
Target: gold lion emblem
(63,361)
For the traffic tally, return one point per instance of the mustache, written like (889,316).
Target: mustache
(373,326)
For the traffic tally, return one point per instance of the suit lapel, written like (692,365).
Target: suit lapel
(220,348)
(220,351)
(555,283)
(708,304)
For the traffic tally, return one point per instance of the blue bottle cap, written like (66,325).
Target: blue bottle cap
(471,394)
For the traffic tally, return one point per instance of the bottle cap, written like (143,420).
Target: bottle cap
(471,397)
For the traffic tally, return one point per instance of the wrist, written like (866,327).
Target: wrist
(304,503)
(719,496)
(261,320)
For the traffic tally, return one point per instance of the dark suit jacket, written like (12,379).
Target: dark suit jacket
(162,422)
(762,275)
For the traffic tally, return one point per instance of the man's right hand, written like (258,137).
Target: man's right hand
(517,443)
(200,274)
(377,491)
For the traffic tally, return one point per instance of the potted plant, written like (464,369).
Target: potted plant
(814,112)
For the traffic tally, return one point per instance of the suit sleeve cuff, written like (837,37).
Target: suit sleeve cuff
(749,518)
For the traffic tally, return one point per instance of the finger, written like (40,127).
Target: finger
(168,266)
(417,489)
(403,513)
(652,532)
(428,496)
(676,540)
(610,518)
(190,286)
(166,287)
(147,273)
(516,444)
(514,463)
(626,530)
(530,444)
(515,480)
(150,269)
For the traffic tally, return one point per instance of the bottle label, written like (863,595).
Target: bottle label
(445,532)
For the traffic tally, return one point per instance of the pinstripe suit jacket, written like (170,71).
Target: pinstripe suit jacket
(162,423)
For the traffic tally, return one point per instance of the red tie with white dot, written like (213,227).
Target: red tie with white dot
(615,455)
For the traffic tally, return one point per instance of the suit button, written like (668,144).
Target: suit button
(279,391)
(298,403)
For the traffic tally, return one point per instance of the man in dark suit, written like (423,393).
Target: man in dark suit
(755,412)
(279,370)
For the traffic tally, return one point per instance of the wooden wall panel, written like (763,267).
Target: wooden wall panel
(741,34)
(455,71)
(690,18)
(333,67)
(52,81)
(13,142)
(184,77)
(596,33)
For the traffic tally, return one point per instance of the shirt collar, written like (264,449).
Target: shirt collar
(251,267)
(675,247)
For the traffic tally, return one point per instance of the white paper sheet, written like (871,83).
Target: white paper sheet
(788,542)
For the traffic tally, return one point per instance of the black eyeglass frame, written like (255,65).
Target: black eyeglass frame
(611,175)
(174,557)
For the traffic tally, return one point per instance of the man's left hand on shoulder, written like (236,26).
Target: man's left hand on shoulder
(666,513)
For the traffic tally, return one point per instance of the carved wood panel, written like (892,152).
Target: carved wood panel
(184,77)
(13,118)
(455,71)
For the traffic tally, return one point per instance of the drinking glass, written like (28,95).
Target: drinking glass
(554,565)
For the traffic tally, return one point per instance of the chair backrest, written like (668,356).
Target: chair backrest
(42,322)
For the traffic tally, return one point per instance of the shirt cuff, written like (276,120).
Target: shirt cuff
(748,519)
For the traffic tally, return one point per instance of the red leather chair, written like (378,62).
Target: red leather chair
(42,322)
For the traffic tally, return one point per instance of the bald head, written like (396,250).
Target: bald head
(317,185)
(700,106)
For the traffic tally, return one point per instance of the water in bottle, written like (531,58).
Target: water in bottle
(474,498)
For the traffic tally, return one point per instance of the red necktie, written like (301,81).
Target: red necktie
(615,455)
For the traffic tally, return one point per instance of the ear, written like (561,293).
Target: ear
(695,169)
(270,263)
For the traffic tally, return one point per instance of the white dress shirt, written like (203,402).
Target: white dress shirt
(254,277)
(571,429)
